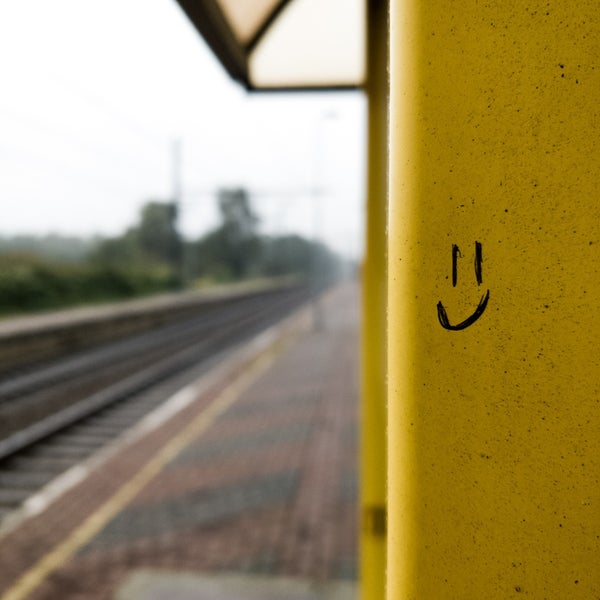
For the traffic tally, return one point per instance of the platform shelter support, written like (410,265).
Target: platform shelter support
(494,279)
(373,393)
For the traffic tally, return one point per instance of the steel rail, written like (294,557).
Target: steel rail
(194,350)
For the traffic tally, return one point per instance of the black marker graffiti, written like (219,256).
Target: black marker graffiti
(478,262)
(455,255)
(445,322)
(442,314)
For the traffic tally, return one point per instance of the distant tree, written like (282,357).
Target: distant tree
(157,233)
(295,255)
(52,246)
(118,251)
(232,250)
(237,216)
(154,241)
(287,255)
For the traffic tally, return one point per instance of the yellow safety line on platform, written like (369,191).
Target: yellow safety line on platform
(96,521)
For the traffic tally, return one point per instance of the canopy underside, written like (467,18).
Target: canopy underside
(285,44)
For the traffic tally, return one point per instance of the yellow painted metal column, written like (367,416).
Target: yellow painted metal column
(494,276)
(373,403)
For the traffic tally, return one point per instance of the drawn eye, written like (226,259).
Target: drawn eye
(442,314)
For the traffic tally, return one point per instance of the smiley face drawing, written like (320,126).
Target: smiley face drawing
(442,314)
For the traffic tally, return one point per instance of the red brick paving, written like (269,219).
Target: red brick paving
(299,418)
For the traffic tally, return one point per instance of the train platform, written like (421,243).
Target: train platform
(241,486)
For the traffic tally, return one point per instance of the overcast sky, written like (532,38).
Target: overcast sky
(93,94)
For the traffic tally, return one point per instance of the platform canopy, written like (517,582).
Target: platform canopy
(285,44)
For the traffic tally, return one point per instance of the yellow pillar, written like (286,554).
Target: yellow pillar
(373,404)
(494,276)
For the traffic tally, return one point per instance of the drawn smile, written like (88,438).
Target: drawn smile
(442,314)
(445,322)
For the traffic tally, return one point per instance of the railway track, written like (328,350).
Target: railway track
(62,412)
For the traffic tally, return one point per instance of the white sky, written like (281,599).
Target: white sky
(92,95)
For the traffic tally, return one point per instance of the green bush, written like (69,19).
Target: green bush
(29,283)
